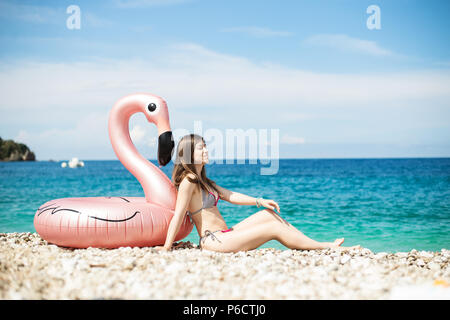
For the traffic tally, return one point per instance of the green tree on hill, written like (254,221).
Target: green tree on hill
(13,151)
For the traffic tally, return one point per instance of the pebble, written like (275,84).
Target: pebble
(345,259)
(30,268)
(380,255)
(434,266)
(420,262)
(402,254)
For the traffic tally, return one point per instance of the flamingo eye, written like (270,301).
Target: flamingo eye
(151,107)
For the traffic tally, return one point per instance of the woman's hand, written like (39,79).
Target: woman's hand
(270,204)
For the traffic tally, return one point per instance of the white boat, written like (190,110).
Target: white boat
(74,163)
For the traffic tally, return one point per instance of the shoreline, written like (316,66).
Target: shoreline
(30,268)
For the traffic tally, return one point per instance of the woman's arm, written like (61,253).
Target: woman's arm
(242,199)
(184,196)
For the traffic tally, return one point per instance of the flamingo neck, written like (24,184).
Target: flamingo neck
(158,188)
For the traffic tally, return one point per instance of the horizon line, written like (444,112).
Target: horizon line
(265,159)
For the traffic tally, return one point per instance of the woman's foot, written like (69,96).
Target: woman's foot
(337,245)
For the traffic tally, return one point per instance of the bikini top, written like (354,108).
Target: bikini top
(208,199)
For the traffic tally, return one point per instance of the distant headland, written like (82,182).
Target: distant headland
(14,151)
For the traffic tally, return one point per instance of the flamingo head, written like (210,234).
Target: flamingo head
(156,111)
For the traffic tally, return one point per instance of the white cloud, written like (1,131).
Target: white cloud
(202,84)
(140,29)
(88,134)
(346,43)
(147,3)
(442,63)
(140,136)
(189,75)
(297,116)
(90,19)
(49,15)
(288,139)
(259,32)
(137,134)
(30,13)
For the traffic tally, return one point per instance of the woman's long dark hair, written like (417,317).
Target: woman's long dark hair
(184,164)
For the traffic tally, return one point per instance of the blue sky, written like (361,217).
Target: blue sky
(311,69)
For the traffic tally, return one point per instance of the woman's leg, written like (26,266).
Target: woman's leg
(260,228)
(239,240)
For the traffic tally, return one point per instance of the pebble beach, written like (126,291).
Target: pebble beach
(31,268)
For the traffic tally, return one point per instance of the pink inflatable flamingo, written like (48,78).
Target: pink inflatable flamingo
(112,222)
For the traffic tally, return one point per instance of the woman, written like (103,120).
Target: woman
(199,196)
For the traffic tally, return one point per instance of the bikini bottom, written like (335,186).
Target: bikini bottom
(211,234)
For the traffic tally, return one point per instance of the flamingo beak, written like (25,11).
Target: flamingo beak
(165,147)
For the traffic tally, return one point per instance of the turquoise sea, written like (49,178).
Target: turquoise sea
(382,204)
